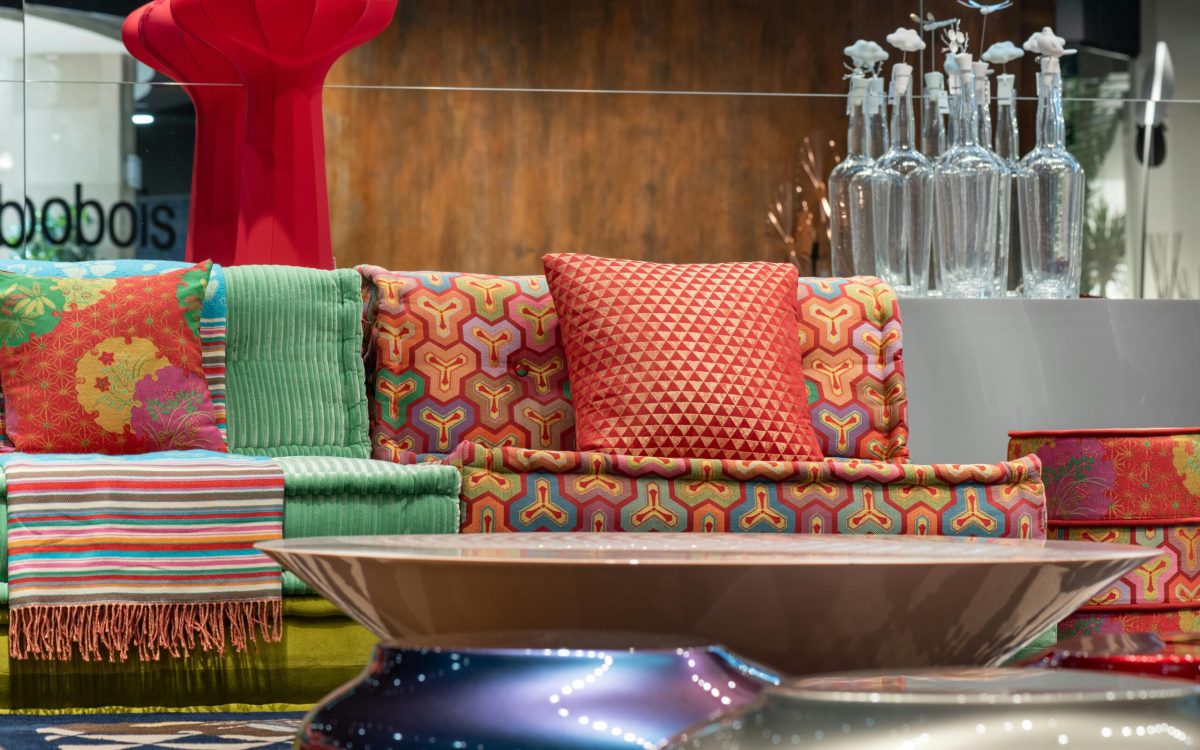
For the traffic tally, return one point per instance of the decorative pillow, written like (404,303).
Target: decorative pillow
(212,316)
(105,365)
(456,356)
(683,361)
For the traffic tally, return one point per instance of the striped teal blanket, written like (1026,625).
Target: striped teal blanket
(150,554)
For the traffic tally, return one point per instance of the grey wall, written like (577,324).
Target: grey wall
(979,368)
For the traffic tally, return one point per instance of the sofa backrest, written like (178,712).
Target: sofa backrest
(456,357)
(853,346)
(453,357)
(294,370)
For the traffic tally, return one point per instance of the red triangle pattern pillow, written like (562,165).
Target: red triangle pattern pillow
(683,361)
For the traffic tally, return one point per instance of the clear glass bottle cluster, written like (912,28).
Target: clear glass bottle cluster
(942,217)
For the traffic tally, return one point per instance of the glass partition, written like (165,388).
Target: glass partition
(12,125)
(479,136)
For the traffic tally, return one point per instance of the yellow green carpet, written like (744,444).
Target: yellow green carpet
(321,649)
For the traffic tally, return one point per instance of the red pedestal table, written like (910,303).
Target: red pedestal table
(152,36)
(282,51)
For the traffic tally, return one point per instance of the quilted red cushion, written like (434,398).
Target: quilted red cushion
(683,361)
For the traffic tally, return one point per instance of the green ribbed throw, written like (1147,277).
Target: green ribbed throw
(295,378)
(326,496)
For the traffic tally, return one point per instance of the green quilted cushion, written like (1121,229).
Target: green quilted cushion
(295,378)
(326,496)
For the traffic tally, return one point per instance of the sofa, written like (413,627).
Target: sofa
(404,403)
(285,355)
(469,370)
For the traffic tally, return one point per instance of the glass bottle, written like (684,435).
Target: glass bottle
(1004,202)
(877,127)
(841,237)
(903,179)
(966,184)
(953,91)
(1050,193)
(870,192)
(933,124)
(1007,148)
(934,106)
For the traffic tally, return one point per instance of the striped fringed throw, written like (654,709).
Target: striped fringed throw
(153,553)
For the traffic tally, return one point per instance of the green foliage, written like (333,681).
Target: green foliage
(39,247)
(1103,245)
(1091,124)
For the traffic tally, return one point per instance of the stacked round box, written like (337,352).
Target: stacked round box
(1127,487)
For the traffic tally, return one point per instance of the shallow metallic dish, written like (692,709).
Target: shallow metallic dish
(796,603)
(944,710)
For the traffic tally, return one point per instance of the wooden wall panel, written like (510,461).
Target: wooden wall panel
(488,181)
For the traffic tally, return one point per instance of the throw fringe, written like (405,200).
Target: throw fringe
(94,631)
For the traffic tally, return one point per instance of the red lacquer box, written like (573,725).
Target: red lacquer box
(1159,654)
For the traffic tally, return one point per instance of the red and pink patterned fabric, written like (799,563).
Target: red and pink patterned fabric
(683,360)
(1084,622)
(493,343)
(1138,487)
(513,489)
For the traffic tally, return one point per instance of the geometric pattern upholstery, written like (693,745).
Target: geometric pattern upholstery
(851,336)
(1139,487)
(850,339)
(513,489)
(683,361)
(455,357)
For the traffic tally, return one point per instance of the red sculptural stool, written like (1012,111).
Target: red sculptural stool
(283,50)
(152,36)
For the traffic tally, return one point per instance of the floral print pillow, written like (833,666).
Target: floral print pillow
(105,365)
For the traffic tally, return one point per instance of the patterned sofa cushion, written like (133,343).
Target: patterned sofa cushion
(106,365)
(692,360)
(1139,487)
(456,357)
(212,315)
(295,370)
(453,357)
(514,489)
(854,361)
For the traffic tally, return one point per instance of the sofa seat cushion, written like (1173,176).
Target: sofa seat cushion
(294,362)
(514,489)
(333,496)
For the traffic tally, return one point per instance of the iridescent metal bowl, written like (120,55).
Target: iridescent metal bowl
(587,697)
(943,710)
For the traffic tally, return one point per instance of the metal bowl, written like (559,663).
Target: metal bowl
(942,709)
